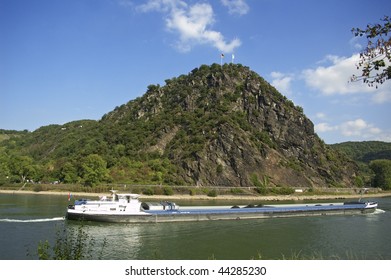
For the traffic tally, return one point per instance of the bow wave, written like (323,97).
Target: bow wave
(32,220)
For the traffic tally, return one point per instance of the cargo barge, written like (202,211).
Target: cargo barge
(127,208)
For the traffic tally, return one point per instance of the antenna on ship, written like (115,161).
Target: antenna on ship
(362,191)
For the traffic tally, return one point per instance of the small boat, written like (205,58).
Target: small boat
(127,208)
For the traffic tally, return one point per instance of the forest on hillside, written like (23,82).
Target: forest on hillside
(216,125)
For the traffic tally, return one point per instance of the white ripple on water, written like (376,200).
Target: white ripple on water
(32,220)
(379,211)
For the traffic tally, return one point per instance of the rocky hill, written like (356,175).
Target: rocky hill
(220,126)
(228,126)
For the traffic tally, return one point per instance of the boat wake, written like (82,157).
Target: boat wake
(379,211)
(33,220)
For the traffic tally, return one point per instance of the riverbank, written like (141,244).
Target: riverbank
(291,197)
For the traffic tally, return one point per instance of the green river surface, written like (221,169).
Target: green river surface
(25,220)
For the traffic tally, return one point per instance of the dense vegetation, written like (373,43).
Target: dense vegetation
(215,126)
(73,153)
(365,151)
(373,158)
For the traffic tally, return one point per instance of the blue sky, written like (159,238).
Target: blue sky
(78,59)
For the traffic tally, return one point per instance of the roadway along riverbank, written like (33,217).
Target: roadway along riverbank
(296,197)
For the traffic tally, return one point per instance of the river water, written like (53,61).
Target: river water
(25,220)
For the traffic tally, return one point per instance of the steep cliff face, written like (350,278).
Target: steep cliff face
(227,126)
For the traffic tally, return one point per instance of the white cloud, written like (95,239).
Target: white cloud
(192,23)
(383,96)
(358,128)
(160,5)
(355,43)
(282,82)
(238,7)
(324,127)
(354,127)
(334,79)
(321,116)
(125,3)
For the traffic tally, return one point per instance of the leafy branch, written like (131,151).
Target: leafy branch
(375,59)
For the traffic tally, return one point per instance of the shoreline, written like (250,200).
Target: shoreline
(293,197)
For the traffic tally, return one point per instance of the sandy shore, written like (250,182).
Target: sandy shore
(296,197)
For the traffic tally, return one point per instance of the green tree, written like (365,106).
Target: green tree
(4,169)
(68,173)
(376,57)
(382,170)
(23,167)
(94,170)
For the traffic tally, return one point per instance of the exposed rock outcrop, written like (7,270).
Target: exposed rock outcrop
(228,126)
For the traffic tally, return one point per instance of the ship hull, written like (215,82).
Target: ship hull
(208,214)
